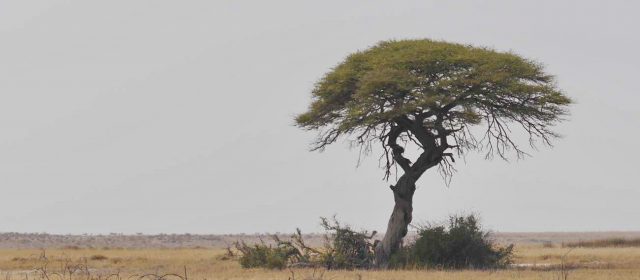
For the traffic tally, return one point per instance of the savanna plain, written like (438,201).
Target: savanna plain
(537,256)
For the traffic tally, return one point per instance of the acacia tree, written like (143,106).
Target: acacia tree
(438,98)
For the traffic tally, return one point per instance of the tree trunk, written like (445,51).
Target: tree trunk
(399,221)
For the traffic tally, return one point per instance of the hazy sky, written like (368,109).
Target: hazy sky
(176,116)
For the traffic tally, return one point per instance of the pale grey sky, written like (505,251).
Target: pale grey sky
(176,116)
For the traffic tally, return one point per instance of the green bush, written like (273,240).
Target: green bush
(460,244)
(262,255)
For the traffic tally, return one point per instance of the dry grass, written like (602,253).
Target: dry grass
(534,261)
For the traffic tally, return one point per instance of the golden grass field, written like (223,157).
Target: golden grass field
(534,261)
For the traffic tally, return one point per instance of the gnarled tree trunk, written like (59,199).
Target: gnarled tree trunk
(405,187)
(402,211)
(398,223)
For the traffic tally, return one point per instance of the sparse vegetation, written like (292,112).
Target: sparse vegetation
(344,249)
(531,262)
(610,242)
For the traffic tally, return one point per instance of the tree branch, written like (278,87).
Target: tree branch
(397,150)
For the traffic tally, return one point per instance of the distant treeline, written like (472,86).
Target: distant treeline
(13,240)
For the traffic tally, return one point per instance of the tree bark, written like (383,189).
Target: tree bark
(398,223)
(405,187)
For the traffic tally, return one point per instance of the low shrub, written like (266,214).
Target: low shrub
(459,244)
(346,248)
(283,254)
(261,255)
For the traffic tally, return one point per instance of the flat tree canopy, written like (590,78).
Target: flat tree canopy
(437,89)
(431,94)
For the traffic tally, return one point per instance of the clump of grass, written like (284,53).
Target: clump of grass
(461,244)
(547,244)
(609,242)
(98,257)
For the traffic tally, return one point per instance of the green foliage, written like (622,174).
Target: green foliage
(434,89)
(461,244)
(346,248)
(415,75)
